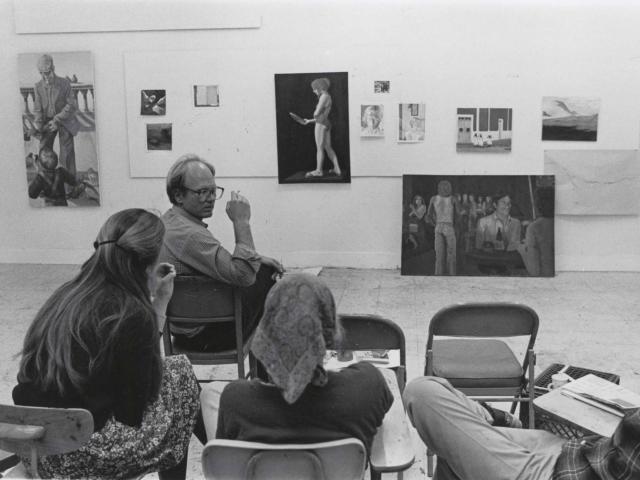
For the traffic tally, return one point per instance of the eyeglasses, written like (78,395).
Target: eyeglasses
(204,193)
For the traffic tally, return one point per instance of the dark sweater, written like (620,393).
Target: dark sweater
(121,386)
(351,404)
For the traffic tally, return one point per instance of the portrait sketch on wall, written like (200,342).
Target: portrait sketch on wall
(312,120)
(411,122)
(159,136)
(206,96)
(478,225)
(153,102)
(372,120)
(59,128)
(570,118)
(484,130)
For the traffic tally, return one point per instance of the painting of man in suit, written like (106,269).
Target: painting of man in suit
(59,120)
(55,112)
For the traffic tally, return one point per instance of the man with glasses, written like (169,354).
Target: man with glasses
(193,250)
(54,110)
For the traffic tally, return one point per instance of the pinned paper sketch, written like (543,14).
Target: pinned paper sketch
(478,225)
(411,120)
(153,102)
(206,96)
(159,136)
(59,128)
(595,182)
(484,130)
(371,120)
(570,118)
(312,120)
(381,86)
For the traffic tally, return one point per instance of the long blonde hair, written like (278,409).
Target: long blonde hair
(91,308)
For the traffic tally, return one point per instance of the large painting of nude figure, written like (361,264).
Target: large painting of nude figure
(478,225)
(312,120)
(59,129)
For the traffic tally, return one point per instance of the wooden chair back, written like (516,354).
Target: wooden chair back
(35,431)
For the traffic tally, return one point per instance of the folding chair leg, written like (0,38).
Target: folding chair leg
(429,463)
(240,360)
(375,475)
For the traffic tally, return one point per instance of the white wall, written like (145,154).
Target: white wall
(445,55)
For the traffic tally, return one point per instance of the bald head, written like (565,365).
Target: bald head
(178,173)
(46,68)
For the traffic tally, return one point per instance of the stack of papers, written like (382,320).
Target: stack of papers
(602,394)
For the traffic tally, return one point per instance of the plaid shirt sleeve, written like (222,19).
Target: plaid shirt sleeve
(572,463)
(603,458)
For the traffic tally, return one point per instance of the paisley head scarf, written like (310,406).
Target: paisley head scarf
(298,324)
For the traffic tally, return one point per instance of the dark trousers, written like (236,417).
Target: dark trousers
(222,336)
(67,156)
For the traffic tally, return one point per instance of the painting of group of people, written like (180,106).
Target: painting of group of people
(478,225)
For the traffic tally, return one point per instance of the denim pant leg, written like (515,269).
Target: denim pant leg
(440,249)
(457,430)
(450,235)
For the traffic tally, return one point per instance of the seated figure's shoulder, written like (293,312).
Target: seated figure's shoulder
(243,392)
(362,373)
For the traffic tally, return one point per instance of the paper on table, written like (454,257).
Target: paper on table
(380,358)
(599,390)
(591,402)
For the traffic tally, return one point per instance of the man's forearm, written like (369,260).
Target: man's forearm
(242,230)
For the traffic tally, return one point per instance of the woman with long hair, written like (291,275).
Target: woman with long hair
(320,87)
(302,402)
(95,344)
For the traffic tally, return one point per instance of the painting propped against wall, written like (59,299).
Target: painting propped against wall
(312,119)
(478,225)
(484,130)
(570,118)
(58,127)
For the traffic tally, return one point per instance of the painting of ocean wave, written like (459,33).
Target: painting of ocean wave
(570,118)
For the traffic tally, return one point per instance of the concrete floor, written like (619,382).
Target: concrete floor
(586,319)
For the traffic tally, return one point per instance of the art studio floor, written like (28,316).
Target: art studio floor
(590,320)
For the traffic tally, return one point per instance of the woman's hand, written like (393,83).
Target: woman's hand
(161,280)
